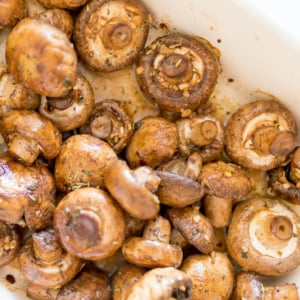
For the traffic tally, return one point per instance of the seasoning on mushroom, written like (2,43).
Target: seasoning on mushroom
(47,64)
(43,261)
(133,189)
(260,135)
(162,283)
(72,173)
(71,111)
(110,122)
(264,237)
(109,35)
(89,224)
(28,134)
(158,148)
(178,72)
(153,249)
(212,275)
(201,133)
(11,11)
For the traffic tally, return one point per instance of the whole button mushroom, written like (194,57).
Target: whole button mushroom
(47,64)
(264,237)
(72,111)
(212,275)
(11,11)
(27,194)
(43,262)
(260,135)
(153,249)
(28,134)
(89,224)
(109,35)
(133,189)
(178,72)
(224,183)
(162,283)
(82,162)
(159,146)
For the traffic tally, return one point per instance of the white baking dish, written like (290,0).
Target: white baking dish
(260,51)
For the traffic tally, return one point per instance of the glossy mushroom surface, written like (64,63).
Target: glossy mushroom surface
(178,72)
(89,224)
(108,35)
(68,4)
(11,11)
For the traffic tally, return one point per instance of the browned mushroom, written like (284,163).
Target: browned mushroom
(73,110)
(264,237)
(153,249)
(11,11)
(28,134)
(33,8)
(110,122)
(27,194)
(109,35)
(69,4)
(14,95)
(194,226)
(47,64)
(89,224)
(212,275)
(223,184)
(37,292)
(82,162)
(162,283)
(178,72)
(201,133)
(133,189)
(134,226)
(43,262)
(260,135)
(159,146)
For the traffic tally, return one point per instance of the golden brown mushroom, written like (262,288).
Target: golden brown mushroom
(28,134)
(11,11)
(47,64)
(109,35)
(153,249)
(68,4)
(178,72)
(260,135)
(159,146)
(43,262)
(89,224)
(82,162)
(72,111)
(264,237)
(133,189)
(212,275)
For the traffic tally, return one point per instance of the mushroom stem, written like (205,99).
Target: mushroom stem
(101,127)
(158,229)
(203,133)
(60,103)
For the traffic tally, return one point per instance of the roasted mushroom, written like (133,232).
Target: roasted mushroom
(133,189)
(11,11)
(178,72)
(14,95)
(47,64)
(43,262)
(28,134)
(212,275)
(27,194)
(260,135)
(69,4)
(110,122)
(159,146)
(72,111)
(89,224)
(201,133)
(72,173)
(109,35)
(153,249)
(264,237)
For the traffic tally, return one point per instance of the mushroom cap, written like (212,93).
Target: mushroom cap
(243,127)
(267,248)
(89,224)
(11,11)
(212,275)
(68,4)
(108,35)
(47,64)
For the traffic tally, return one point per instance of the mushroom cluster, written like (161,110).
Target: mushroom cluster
(97,202)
